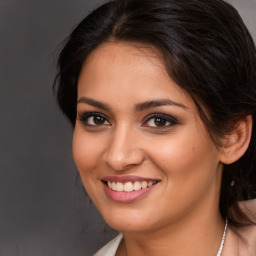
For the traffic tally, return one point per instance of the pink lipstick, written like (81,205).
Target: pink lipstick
(127,188)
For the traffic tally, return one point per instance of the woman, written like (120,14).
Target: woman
(162,98)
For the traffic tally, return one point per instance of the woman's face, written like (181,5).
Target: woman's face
(144,156)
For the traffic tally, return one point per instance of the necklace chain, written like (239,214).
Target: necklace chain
(223,239)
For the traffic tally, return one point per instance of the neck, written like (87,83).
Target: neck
(185,237)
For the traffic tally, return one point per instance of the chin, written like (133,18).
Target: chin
(129,221)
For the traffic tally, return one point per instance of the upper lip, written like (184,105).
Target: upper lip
(126,178)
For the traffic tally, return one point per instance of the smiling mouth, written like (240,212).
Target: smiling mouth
(129,186)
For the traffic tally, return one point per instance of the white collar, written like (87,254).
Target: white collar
(110,248)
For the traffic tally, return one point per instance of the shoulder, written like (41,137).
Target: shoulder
(247,234)
(110,248)
(249,207)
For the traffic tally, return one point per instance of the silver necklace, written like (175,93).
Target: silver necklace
(223,239)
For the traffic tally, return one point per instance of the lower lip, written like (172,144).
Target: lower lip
(126,197)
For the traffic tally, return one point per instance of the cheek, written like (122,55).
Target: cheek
(190,173)
(175,160)
(187,157)
(85,152)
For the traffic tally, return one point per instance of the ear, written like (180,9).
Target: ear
(236,143)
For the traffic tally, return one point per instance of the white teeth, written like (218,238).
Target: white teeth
(113,185)
(129,186)
(144,184)
(150,183)
(119,186)
(137,185)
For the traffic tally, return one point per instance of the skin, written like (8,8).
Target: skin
(180,215)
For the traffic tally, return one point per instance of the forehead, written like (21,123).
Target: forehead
(114,49)
(112,58)
(124,69)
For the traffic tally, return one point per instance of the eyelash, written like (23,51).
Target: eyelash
(85,117)
(166,119)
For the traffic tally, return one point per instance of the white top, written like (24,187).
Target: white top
(110,248)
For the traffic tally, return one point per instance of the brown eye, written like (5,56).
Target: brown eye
(99,120)
(93,119)
(159,122)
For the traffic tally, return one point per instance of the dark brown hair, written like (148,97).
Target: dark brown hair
(207,51)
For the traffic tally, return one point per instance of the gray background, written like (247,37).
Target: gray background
(43,211)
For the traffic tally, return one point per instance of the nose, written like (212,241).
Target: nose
(123,150)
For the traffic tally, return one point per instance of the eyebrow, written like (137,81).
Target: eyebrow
(157,103)
(138,107)
(94,103)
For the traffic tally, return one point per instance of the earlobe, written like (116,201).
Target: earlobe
(236,143)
